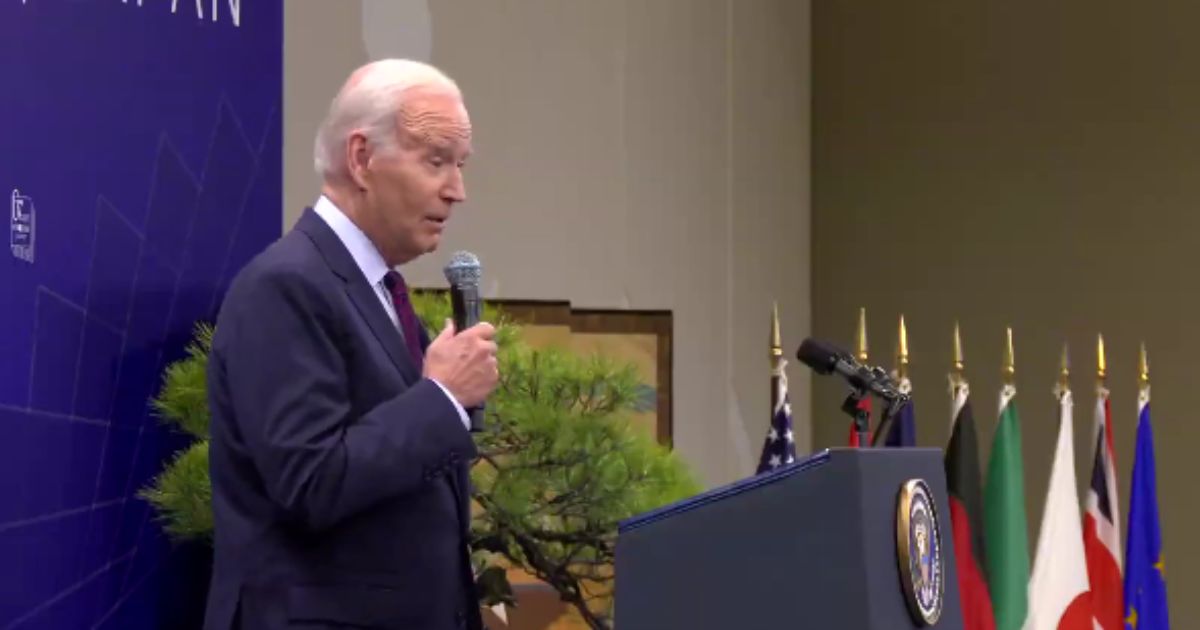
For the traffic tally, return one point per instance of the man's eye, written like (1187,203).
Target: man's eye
(437,160)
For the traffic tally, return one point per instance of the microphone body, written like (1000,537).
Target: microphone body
(468,308)
(463,273)
(826,358)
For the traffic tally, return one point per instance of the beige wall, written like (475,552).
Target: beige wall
(659,150)
(1025,164)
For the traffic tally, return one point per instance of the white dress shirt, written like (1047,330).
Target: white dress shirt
(373,268)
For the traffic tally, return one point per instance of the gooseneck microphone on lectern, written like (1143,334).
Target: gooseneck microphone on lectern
(826,358)
(463,273)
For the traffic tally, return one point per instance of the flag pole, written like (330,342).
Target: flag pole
(1064,371)
(776,344)
(959,375)
(862,417)
(776,355)
(1009,371)
(1143,369)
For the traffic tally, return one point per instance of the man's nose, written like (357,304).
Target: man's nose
(456,189)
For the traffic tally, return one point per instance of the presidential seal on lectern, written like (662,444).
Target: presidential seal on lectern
(919,552)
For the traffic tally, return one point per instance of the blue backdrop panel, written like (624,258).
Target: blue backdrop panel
(140,161)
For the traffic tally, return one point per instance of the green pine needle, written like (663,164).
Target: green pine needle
(182,495)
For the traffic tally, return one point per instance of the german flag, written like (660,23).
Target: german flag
(966,503)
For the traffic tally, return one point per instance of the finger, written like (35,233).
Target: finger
(484,350)
(483,330)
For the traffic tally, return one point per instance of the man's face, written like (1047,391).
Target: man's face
(410,190)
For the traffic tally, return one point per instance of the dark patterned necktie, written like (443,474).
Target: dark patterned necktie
(407,316)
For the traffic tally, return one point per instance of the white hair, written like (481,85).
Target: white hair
(370,102)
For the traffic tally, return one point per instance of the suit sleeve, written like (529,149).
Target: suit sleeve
(289,394)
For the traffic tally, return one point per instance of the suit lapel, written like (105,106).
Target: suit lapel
(364,298)
(361,294)
(367,302)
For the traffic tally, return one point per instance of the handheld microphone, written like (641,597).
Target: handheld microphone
(826,358)
(463,273)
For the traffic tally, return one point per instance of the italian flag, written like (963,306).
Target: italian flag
(1007,547)
(1101,533)
(1059,595)
(966,513)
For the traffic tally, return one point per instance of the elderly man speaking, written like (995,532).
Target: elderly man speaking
(340,443)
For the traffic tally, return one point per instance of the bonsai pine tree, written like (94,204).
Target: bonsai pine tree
(560,464)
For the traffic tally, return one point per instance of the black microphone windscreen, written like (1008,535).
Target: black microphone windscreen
(818,355)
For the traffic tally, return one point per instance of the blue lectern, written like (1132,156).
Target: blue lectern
(847,539)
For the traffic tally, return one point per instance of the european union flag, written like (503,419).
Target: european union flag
(1145,585)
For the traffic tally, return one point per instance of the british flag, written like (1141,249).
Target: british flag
(1101,533)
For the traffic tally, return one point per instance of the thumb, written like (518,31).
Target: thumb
(447,331)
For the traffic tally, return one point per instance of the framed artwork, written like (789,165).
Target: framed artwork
(640,337)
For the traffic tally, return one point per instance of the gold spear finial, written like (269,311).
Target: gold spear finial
(1010,363)
(902,350)
(776,344)
(1101,363)
(860,337)
(1064,371)
(959,365)
(1143,368)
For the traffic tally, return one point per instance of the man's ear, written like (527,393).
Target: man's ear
(358,159)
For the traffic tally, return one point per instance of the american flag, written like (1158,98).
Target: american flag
(780,446)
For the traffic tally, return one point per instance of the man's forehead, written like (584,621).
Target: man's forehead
(437,119)
(434,105)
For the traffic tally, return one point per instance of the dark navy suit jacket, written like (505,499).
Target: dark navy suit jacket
(339,475)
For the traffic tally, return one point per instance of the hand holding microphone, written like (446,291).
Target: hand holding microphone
(465,363)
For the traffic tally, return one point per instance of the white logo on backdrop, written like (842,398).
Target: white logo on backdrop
(234,11)
(22,227)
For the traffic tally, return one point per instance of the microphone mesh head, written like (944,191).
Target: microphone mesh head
(463,270)
(819,355)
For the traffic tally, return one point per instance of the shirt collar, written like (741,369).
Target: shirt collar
(364,252)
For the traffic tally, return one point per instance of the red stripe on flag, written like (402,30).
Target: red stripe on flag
(1105,579)
(972,588)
